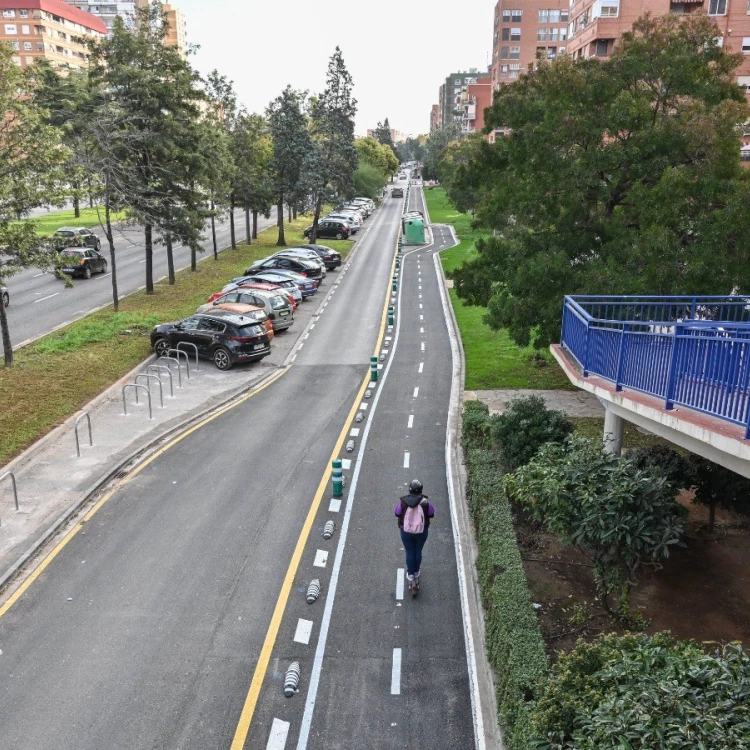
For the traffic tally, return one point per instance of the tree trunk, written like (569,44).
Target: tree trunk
(316,219)
(712,516)
(111,242)
(170,258)
(289,213)
(231,221)
(213,237)
(255,224)
(247,226)
(281,242)
(294,212)
(76,205)
(7,346)
(149,259)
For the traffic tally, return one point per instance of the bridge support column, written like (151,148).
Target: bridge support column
(612,432)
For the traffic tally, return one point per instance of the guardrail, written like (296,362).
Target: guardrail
(688,351)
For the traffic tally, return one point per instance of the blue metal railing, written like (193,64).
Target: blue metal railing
(688,351)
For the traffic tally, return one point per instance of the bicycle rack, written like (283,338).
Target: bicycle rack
(75,430)
(179,367)
(12,479)
(168,371)
(150,377)
(194,346)
(177,353)
(136,386)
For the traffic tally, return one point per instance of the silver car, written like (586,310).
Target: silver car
(277,307)
(353,221)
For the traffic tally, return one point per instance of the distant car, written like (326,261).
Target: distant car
(369,201)
(397,192)
(308,287)
(66,237)
(269,277)
(328,255)
(329,228)
(264,286)
(304,254)
(82,262)
(222,336)
(298,265)
(277,307)
(6,295)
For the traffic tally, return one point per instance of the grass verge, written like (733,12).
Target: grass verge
(514,642)
(492,359)
(60,373)
(90,218)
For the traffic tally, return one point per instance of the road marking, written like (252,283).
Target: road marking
(302,343)
(294,356)
(335,505)
(49,296)
(420,286)
(363,407)
(416,392)
(354,432)
(421,366)
(406,459)
(396,672)
(410,423)
(142,261)
(303,632)
(103,275)
(306,336)
(36,276)
(420,305)
(421,317)
(312,326)
(321,559)
(423,346)
(421,329)
(420,296)
(346,463)
(279,733)
(400,583)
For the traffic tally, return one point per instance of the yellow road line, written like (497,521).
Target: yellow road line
(21,590)
(261,667)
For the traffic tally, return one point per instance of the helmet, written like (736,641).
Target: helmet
(415,487)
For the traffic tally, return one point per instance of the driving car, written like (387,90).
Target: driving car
(66,237)
(330,228)
(328,255)
(82,262)
(276,306)
(6,295)
(397,192)
(284,263)
(222,336)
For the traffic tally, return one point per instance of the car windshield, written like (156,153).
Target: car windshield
(252,330)
(277,303)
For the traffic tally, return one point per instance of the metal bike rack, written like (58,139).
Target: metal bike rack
(136,386)
(148,381)
(194,346)
(12,479)
(179,367)
(75,429)
(178,353)
(168,371)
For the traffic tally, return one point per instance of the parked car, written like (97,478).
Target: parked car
(6,295)
(354,222)
(249,311)
(359,209)
(360,204)
(328,255)
(305,254)
(66,237)
(330,228)
(369,201)
(284,263)
(269,277)
(307,287)
(276,306)
(263,286)
(82,262)
(222,336)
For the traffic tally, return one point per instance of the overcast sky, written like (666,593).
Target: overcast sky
(398,51)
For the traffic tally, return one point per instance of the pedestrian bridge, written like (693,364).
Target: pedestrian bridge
(676,366)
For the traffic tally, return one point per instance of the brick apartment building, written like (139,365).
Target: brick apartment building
(107,10)
(451,109)
(434,118)
(475,98)
(50,29)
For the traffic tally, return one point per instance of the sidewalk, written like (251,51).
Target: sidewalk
(53,483)
(573,403)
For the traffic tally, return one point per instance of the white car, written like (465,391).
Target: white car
(352,220)
(367,201)
(354,206)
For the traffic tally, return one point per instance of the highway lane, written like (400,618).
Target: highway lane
(41,303)
(145,630)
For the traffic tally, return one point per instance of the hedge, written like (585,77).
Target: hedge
(514,642)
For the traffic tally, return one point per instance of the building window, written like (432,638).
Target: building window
(744,82)
(515,35)
(553,34)
(11,28)
(541,35)
(561,50)
(40,46)
(9,14)
(14,45)
(23,13)
(506,16)
(27,46)
(551,53)
(515,70)
(563,33)
(515,15)
(717,7)
(543,16)
(746,44)
(503,53)
(607,9)
(16,60)
(515,53)
(503,71)
(506,34)
(601,47)
(25,29)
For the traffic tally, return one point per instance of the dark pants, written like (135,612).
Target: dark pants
(413,544)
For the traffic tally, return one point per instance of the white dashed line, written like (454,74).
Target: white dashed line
(406,460)
(363,407)
(303,632)
(302,343)
(279,733)
(335,505)
(421,317)
(421,329)
(354,432)
(49,296)
(420,305)
(421,366)
(321,558)
(410,423)
(346,463)
(396,672)
(416,392)
(423,346)
(400,583)
(306,336)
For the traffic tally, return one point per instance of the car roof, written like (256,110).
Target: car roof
(260,285)
(72,250)
(69,229)
(239,308)
(227,316)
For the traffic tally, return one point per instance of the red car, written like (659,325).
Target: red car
(264,287)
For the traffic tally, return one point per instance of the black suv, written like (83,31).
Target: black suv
(331,228)
(331,259)
(299,265)
(223,336)
(82,262)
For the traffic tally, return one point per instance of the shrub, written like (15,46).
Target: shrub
(525,426)
(674,467)
(716,486)
(476,429)
(620,517)
(641,692)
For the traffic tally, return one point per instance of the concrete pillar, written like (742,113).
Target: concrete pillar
(612,432)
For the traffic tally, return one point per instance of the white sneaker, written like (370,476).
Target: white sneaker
(416,575)
(409,577)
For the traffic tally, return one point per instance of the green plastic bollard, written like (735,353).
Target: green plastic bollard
(394,289)
(373,369)
(391,315)
(337,477)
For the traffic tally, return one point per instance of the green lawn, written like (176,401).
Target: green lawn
(60,373)
(492,359)
(90,217)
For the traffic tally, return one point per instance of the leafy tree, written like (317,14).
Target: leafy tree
(412,149)
(716,487)
(617,176)
(455,168)
(368,180)
(378,156)
(333,161)
(291,144)
(618,516)
(524,427)
(32,173)
(674,467)
(383,135)
(436,145)
(640,692)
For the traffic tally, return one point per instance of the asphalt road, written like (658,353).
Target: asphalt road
(146,629)
(39,302)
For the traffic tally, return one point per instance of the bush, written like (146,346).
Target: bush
(674,467)
(641,692)
(524,428)
(716,486)
(514,642)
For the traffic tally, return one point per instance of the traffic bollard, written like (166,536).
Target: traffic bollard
(373,369)
(337,478)
(391,314)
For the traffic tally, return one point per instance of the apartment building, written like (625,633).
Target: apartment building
(475,98)
(451,109)
(596,25)
(50,29)
(107,11)
(177,31)
(523,31)
(434,118)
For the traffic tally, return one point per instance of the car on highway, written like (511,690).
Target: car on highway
(6,295)
(328,255)
(276,306)
(66,237)
(222,336)
(330,228)
(82,262)
(283,263)
(397,192)
(249,311)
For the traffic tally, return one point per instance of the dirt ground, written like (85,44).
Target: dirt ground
(702,592)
